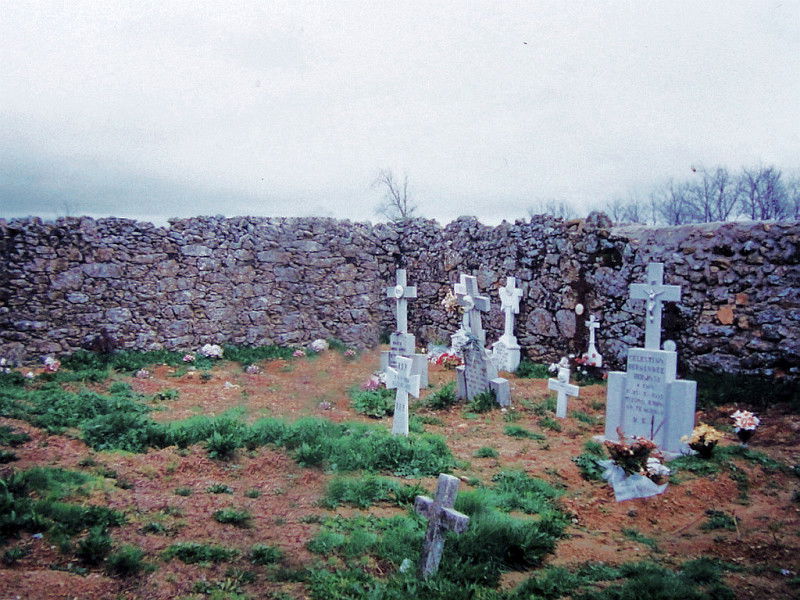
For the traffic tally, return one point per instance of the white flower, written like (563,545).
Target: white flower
(30,375)
(4,366)
(319,345)
(211,351)
(744,419)
(655,468)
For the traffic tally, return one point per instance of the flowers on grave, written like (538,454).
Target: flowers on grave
(51,365)
(745,424)
(703,439)
(450,303)
(252,369)
(142,374)
(188,358)
(211,351)
(319,345)
(631,456)
(372,383)
(325,405)
(299,353)
(448,360)
(656,470)
(29,375)
(5,366)
(350,353)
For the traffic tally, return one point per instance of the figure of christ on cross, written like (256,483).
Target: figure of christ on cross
(654,292)
(441,519)
(405,383)
(401,292)
(474,304)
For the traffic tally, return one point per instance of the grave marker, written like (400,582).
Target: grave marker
(441,518)
(405,383)
(648,400)
(564,389)
(505,351)
(592,356)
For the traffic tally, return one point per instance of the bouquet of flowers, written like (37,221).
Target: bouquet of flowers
(189,357)
(51,365)
(703,439)
(299,353)
(745,424)
(211,351)
(448,360)
(631,456)
(450,303)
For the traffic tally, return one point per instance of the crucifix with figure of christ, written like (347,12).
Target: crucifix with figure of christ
(474,304)
(654,292)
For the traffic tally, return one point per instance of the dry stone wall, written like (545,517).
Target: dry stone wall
(287,281)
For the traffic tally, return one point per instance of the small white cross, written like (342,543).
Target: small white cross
(655,292)
(400,292)
(473,303)
(564,389)
(405,383)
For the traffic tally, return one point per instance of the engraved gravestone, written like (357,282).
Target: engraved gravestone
(648,400)
(402,343)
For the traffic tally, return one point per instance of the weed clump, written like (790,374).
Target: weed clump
(376,403)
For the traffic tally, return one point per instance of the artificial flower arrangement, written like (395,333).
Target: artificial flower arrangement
(252,369)
(299,353)
(211,351)
(450,303)
(745,424)
(319,345)
(579,367)
(142,374)
(51,365)
(448,360)
(637,457)
(350,354)
(703,439)
(189,357)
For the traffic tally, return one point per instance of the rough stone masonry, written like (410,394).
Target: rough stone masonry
(252,280)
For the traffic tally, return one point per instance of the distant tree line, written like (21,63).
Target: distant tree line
(759,193)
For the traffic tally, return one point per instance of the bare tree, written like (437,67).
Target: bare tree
(764,195)
(714,197)
(557,208)
(396,204)
(671,203)
(793,193)
(625,211)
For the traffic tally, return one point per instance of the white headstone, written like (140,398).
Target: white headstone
(405,383)
(473,304)
(564,389)
(648,400)
(506,351)
(401,291)
(402,343)
(592,356)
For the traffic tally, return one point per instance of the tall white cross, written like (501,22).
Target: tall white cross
(473,303)
(594,358)
(655,292)
(509,304)
(405,383)
(400,292)
(564,389)
(441,519)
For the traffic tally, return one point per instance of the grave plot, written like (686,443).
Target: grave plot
(258,478)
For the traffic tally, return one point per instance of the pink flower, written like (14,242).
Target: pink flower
(188,358)
(298,353)
(373,383)
(349,353)
(51,365)
(744,419)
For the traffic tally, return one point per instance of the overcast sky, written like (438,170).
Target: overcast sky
(159,109)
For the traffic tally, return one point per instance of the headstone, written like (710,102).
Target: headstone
(402,343)
(505,351)
(564,389)
(479,373)
(441,519)
(405,383)
(592,356)
(648,400)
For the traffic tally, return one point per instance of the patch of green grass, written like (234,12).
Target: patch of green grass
(264,554)
(219,488)
(483,402)
(8,437)
(429,420)
(718,388)
(195,552)
(718,519)
(7,456)
(636,536)
(127,561)
(442,397)
(518,431)
(531,370)
(252,493)
(549,423)
(373,403)
(233,516)
(183,491)
(12,555)
(486,452)
(588,461)
(167,394)
(363,492)
(584,417)
(92,549)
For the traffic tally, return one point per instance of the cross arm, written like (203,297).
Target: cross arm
(423,505)
(455,521)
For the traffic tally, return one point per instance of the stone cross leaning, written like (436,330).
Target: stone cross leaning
(564,389)
(654,292)
(405,383)
(473,303)
(401,292)
(441,519)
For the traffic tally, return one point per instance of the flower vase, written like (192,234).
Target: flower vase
(744,435)
(703,450)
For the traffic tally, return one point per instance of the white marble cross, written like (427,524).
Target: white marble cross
(564,389)
(592,356)
(400,292)
(509,304)
(655,292)
(473,303)
(405,383)
(441,518)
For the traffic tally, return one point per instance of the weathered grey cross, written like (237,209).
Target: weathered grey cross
(441,518)
(564,389)
(405,383)
(400,292)
(655,292)
(473,304)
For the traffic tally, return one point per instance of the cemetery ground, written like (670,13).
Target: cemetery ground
(221,483)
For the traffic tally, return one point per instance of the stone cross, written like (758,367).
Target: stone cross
(655,292)
(405,383)
(509,304)
(564,389)
(473,304)
(441,518)
(592,356)
(400,292)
